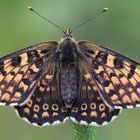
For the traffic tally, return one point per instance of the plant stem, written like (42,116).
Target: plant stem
(83,132)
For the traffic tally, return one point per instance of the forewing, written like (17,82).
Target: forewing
(20,71)
(117,76)
(89,108)
(45,107)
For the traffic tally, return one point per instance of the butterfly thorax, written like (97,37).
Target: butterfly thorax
(68,71)
(67,55)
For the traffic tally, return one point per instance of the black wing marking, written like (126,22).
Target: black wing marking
(45,107)
(89,108)
(117,76)
(20,71)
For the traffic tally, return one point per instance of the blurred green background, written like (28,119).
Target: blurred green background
(118,29)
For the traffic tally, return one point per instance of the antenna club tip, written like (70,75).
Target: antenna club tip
(30,8)
(105,9)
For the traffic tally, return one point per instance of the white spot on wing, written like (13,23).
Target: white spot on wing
(82,122)
(138,105)
(44,124)
(12,104)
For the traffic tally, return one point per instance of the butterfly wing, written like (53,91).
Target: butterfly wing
(20,71)
(117,76)
(89,107)
(45,107)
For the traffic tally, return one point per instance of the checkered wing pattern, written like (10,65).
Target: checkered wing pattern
(117,77)
(89,107)
(45,107)
(20,71)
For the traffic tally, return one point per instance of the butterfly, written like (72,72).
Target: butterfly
(52,81)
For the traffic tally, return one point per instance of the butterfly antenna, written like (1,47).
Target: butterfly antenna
(90,19)
(31,9)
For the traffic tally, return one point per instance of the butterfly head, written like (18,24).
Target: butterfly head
(67,33)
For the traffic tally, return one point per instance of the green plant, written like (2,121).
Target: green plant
(84,132)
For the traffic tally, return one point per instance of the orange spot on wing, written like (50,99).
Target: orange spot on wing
(115,80)
(23,86)
(110,87)
(133,81)
(124,80)
(103,115)
(18,78)
(42,89)
(24,59)
(117,102)
(93,114)
(17,95)
(114,97)
(49,77)
(7,63)
(88,88)
(43,82)
(137,77)
(121,91)
(138,90)
(45,114)
(88,76)
(5,97)
(126,99)
(109,70)
(35,116)
(8,69)
(9,77)
(105,76)
(100,68)
(1,77)
(134,97)
(25,68)
(48,89)
(26,110)
(84,114)
(110,60)
(13,99)
(34,68)
(137,70)
(130,89)
(10,89)
(16,69)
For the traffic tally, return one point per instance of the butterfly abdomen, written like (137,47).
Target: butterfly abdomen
(68,86)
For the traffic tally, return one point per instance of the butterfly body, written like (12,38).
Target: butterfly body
(68,67)
(80,80)
(68,85)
